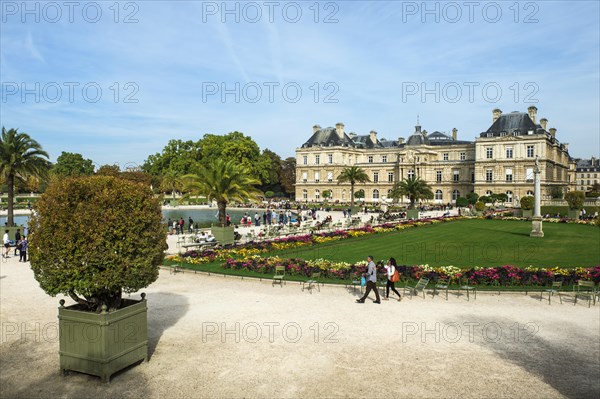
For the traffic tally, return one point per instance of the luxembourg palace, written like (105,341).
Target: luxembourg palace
(500,160)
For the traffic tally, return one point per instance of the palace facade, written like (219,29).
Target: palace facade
(500,160)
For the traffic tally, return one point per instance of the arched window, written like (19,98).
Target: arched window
(438,195)
(529,192)
(375,194)
(455,195)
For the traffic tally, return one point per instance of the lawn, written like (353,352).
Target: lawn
(468,243)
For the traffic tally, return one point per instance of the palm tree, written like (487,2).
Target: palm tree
(170,182)
(414,188)
(353,175)
(20,158)
(223,182)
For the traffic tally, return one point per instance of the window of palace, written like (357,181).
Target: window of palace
(489,175)
(370,159)
(456,175)
(411,173)
(384,158)
(316,177)
(375,177)
(375,194)
(317,159)
(330,158)
(438,195)
(463,156)
(509,175)
(305,160)
(391,177)
(530,151)
(509,153)
(489,153)
(317,194)
(304,176)
(329,177)
(304,194)
(445,156)
(438,176)
(455,195)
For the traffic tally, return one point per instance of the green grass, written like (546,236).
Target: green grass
(468,243)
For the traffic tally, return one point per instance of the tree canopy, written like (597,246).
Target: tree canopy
(353,175)
(72,164)
(414,188)
(96,237)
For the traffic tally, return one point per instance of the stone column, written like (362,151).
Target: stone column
(536,221)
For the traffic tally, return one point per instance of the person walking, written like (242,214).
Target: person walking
(391,271)
(371,277)
(17,241)
(24,247)
(6,241)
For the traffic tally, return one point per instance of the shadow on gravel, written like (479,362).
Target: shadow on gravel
(164,310)
(572,368)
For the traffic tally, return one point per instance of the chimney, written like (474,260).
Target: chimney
(316,128)
(454,133)
(544,123)
(532,113)
(400,140)
(496,114)
(553,132)
(373,136)
(593,161)
(339,128)
(566,145)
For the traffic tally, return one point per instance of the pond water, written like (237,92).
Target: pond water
(204,217)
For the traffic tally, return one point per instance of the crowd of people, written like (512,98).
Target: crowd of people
(20,242)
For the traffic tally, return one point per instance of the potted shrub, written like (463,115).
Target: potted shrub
(527,203)
(93,239)
(575,199)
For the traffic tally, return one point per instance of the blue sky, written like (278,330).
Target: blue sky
(116,83)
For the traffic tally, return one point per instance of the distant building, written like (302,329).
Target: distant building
(500,160)
(587,173)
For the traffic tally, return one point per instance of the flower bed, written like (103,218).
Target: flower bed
(504,275)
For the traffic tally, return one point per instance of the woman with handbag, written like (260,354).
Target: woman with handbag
(392,277)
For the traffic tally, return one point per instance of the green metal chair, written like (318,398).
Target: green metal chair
(442,285)
(464,285)
(279,276)
(555,289)
(420,286)
(586,289)
(313,280)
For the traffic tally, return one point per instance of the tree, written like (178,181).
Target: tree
(96,237)
(462,202)
(575,199)
(501,197)
(20,158)
(594,191)
(414,188)
(109,170)
(171,182)
(527,202)
(472,198)
(72,164)
(223,182)
(288,175)
(353,175)
(556,192)
(326,194)
(178,155)
(360,194)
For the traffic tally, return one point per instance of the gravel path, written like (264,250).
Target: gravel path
(216,337)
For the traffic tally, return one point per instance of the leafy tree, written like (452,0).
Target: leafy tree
(223,181)
(501,197)
(109,170)
(326,194)
(95,238)
(556,192)
(575,199)
(462,202)
(472,198)
(593,191)
(178,155)
(288,175)
(20,157)
(72,164)
(359,194)
(269,194)
(353,175)
(485,199)
(274,168)
(479,206)
(414,188)
(527,202)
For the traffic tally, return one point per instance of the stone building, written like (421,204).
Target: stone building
(587,173)
(500,160)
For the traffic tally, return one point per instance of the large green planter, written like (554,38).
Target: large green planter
(224,235)
(412,214)
(574,213)
(103,343)
(527,213)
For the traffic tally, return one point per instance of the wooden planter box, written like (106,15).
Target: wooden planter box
(574,213)
(412,214)
(103,343)
(527,213)
(223,234)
